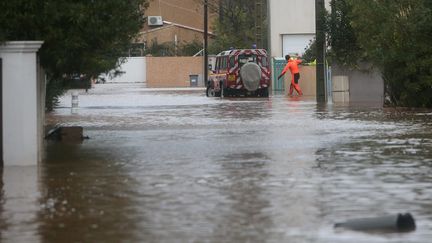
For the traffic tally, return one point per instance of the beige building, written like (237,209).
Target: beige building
(174,21)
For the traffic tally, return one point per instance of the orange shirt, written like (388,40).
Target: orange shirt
(292,65)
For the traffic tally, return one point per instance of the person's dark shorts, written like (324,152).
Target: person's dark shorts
(296,77)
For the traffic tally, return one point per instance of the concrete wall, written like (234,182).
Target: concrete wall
(340,89)
(307,80)
(168,72)
(135,71)
(365,86)
(21,103)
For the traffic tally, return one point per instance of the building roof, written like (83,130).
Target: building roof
(168,24)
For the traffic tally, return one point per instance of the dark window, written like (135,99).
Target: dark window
(232,61)
(224,63)
(217,67)
(243,59)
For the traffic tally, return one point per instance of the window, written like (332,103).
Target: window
(224,63)
(232,61)
(243,59)
(264,61)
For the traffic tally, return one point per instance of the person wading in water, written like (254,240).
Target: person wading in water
(292,65)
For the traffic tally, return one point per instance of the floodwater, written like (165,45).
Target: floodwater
(176,166)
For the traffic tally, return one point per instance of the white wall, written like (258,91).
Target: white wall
(21,125)
(289,17)
(134,69)
(293,18)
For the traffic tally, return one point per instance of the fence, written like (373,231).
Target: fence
(278,66)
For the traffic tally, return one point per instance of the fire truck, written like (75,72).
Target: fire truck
(243,72)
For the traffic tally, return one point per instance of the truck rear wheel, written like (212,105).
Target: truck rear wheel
(264,92)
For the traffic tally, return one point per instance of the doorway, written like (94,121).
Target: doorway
(296,43)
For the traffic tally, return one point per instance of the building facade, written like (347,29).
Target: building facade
(291,26)
(174,21)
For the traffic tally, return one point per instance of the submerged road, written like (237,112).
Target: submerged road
(176,166)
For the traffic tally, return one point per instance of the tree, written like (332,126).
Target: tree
(342,38)
(190,49)
(310,52)
(171,49)
(395,36)
(392,35)
(236,25)
(83,37)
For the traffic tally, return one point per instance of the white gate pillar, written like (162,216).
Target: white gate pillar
(21,102)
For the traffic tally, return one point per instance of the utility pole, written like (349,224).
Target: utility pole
(320,42)
(205,42)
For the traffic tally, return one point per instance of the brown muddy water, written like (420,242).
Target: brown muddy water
(176,166)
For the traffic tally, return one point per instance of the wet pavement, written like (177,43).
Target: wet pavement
(176,166)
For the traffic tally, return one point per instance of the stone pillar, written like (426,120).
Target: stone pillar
(22,118)
(341,89)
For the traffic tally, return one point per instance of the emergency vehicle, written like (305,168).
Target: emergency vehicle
(243,72)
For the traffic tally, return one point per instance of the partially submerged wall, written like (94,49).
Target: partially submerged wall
(307,80)
(134,70)
(365,85)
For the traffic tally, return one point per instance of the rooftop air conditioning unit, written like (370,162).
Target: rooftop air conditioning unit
(155,21)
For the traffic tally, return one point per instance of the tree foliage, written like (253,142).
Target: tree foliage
(342,38)
(171,49)
(80,37)
(310,52)
(394,35)
(236,25)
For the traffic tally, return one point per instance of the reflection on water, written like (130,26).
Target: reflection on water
(176,166)
(246,201)
(87,197)
(18,204)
